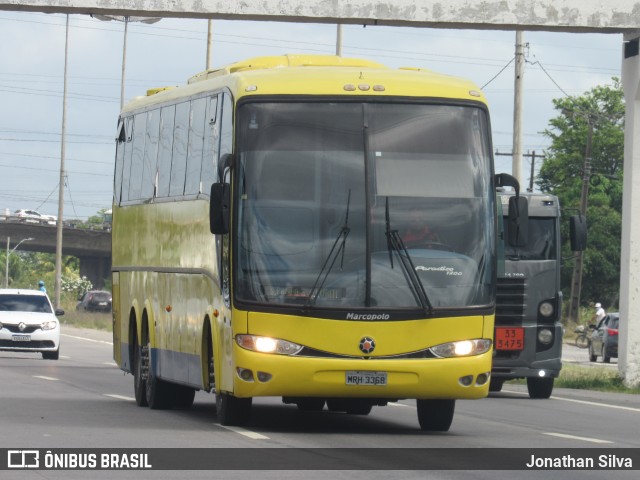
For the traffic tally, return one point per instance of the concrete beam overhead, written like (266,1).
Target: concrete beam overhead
(613,16)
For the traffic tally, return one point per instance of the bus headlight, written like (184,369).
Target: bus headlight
(463,348)
(546,309)
(267,345)
(545,336)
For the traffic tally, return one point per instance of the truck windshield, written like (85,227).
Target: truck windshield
(320,187)
(541,241)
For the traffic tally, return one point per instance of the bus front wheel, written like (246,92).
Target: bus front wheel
(435,415)
(232,410)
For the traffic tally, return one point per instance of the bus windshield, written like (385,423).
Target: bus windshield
(363,205)
(541,241)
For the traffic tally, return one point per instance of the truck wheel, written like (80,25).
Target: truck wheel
(540,387)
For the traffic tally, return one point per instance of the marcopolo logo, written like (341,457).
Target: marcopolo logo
(367,316)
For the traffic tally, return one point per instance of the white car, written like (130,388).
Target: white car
(31,216)
(28,323)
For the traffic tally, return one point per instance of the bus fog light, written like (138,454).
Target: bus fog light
(264,376)
(482,379)
(245,374)
(546,309)
(466,380)
(545,336)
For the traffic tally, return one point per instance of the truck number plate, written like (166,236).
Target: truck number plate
(509,338)
(366,378)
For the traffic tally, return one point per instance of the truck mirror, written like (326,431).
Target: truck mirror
(578,232)
(518,219)
(219,208)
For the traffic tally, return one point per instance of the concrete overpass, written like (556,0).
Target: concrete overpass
(91,247)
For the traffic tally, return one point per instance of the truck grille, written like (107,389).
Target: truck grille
(510,301)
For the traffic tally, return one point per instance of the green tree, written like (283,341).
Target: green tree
(601,112)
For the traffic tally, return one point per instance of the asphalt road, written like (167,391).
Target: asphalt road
(84,401)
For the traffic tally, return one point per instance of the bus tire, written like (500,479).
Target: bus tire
(357,406)
(540,387)
(157,391)
(139,382)
(435,415)
(232,410)
(182,397)
(310,404)
(495,384)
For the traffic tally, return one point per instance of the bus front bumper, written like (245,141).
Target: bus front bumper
(259,374)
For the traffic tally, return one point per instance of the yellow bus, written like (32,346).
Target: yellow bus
(316,228)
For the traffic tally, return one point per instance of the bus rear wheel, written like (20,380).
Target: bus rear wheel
(435,415)
(157,391)
(139,375)
(232,410)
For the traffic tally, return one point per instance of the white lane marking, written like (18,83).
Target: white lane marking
(111,364)
(573,437)
(246,433)
(120,397)
(397,404)
(596,404)
(66,357)
(87,339)
(585,402)
(42,377)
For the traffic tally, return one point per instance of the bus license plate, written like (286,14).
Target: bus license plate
(509,338)
(21,338)
(366,378)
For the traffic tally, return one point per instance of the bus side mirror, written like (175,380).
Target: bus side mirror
(518,221)
(578,233)
(219,208)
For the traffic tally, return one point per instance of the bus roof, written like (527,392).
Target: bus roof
(315,75)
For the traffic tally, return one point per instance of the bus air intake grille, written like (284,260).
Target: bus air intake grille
(510,301)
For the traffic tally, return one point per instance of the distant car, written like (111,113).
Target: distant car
(604,339)
(28,323)
(31,216)
(95,301)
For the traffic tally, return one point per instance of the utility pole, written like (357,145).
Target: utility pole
(532,176)
(516,168)
(63,137)
(533,155)
(209,44)
(576,279)
(339,40)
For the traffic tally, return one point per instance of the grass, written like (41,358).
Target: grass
(593,378)
(96,321)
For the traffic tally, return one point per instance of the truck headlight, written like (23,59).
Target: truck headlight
(545,336)
(546,309)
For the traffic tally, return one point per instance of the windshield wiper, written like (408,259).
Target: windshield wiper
(395,243)
(337,250)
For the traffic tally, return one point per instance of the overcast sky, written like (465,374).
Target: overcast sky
(172,50)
